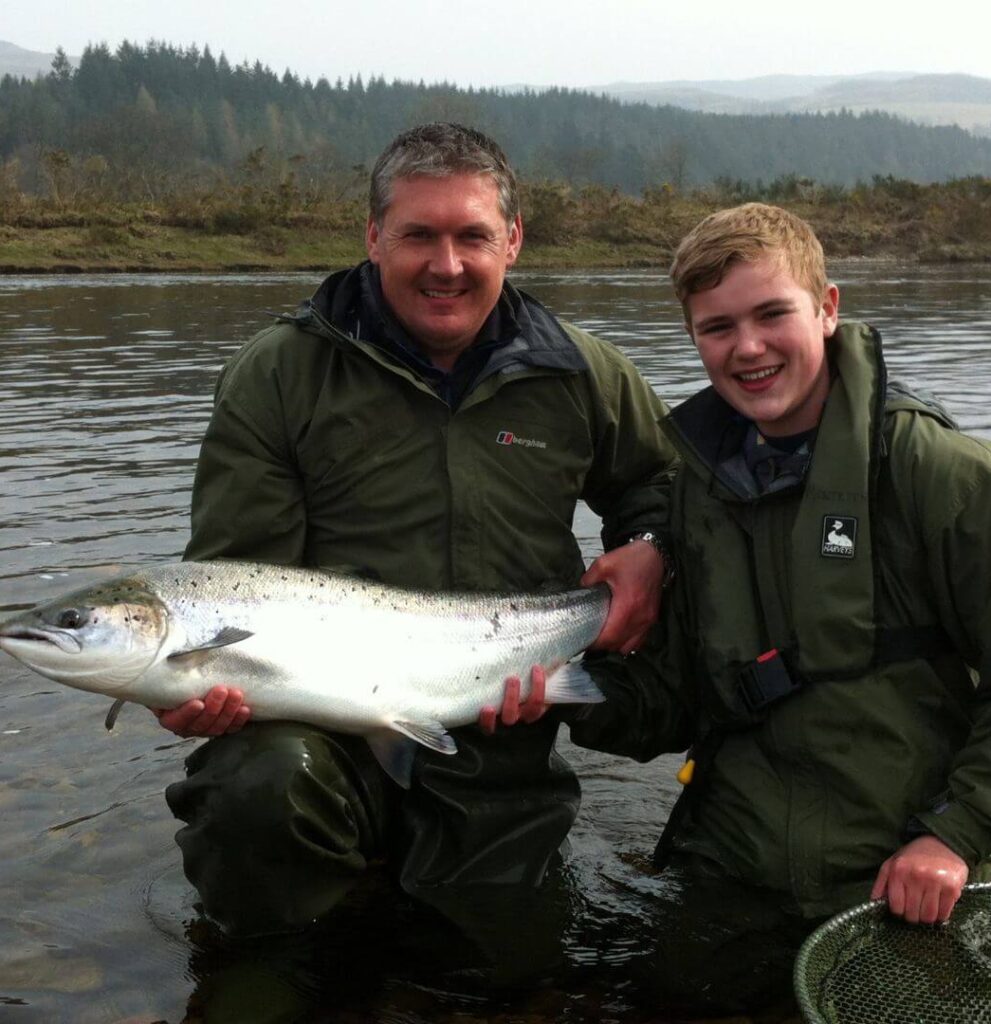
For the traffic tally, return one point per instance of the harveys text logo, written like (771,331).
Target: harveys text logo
(839,536)
(508,437)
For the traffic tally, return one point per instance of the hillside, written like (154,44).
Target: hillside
(144,121)
(963,100)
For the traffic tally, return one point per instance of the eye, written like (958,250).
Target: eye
(70,618)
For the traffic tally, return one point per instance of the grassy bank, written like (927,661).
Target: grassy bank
(275,229)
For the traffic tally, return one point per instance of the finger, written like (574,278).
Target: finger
(881,882)
(241,719)
(947,901)
(635,642)
(929,905)
(232,705)
(511,701)
(487,720)
(179,720)
(534,706)
(896,897)
(913,903)
(214,701)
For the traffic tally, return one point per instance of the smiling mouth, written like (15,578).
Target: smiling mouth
(755,375)
(436,293)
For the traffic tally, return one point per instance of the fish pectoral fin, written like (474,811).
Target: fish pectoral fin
(571,684)
(430,734)
(394,754)
(228,635)
(111,720)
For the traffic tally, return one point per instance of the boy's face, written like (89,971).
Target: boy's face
(762,340)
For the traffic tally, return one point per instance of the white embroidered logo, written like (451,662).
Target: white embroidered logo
(839,536)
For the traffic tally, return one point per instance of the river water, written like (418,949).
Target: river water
(105,388)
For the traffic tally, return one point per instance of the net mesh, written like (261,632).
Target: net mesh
(866,967)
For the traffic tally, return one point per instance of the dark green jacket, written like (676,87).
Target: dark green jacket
(809,794)
(324,450)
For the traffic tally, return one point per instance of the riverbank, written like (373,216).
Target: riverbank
(258,230)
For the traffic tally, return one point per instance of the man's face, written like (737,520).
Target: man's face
(443,249)
(762,340)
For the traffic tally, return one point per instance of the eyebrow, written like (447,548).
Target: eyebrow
(710,321)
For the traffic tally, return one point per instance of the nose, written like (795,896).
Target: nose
(445,260)
(749,341)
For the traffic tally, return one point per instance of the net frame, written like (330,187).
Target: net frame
(841,938)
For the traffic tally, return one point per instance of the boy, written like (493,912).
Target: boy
(833,597)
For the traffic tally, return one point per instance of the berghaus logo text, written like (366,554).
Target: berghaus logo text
(508,437)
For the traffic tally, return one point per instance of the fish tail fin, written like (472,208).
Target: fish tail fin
(571,684)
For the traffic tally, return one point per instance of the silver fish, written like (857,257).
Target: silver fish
(311,646)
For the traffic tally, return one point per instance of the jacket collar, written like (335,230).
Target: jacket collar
(526,335)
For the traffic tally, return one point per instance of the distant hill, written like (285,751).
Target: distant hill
(963,100)
(21,63)
(145,118)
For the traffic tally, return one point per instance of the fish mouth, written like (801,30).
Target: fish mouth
(25,634)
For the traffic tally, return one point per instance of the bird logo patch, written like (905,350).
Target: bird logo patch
(839,536)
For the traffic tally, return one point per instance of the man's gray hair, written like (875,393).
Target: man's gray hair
(437,150)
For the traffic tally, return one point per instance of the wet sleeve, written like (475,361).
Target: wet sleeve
(248,498)
(953,492)
(649,707)
(633,462)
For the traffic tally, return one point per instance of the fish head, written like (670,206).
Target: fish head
(100,638)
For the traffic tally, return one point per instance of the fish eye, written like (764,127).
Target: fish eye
(70,618)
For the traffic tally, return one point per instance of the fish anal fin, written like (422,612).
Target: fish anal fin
(394,754)
(571,684)
(227,636)
(431,734)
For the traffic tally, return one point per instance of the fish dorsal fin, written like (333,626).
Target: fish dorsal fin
(228,635)
(111,720)
(431,734)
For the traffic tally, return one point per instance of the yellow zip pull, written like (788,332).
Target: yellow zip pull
(686,771)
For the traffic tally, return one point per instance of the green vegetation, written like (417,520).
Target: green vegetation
(280,226)
(145,121)
(169,159)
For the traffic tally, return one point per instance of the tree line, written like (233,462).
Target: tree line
(143,123)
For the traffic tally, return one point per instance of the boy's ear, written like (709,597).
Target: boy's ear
(830,311)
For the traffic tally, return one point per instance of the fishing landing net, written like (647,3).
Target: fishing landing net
(866,967)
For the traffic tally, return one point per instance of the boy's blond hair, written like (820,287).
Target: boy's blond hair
(745,234)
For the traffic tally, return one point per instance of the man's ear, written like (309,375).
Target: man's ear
(372,239)
(515,242)
(830,311)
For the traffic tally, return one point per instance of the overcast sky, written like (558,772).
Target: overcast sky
(541,42)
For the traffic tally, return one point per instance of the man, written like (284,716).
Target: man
(421,421)
(833,598)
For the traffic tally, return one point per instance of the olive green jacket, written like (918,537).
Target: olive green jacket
(323,450)
(885,730)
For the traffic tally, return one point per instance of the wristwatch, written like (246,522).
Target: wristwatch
(658,545)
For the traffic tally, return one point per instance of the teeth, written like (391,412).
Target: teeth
(759,374)
(433,293)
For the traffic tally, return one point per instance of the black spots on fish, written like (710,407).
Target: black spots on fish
(513,606)
(192,583)
(237,586)
(375,688)
(477,678)
(496,623)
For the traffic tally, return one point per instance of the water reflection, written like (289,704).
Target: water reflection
(105,388)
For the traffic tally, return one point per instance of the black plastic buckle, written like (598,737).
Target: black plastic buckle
(765,680)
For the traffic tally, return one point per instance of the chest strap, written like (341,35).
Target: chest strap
(771,676)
